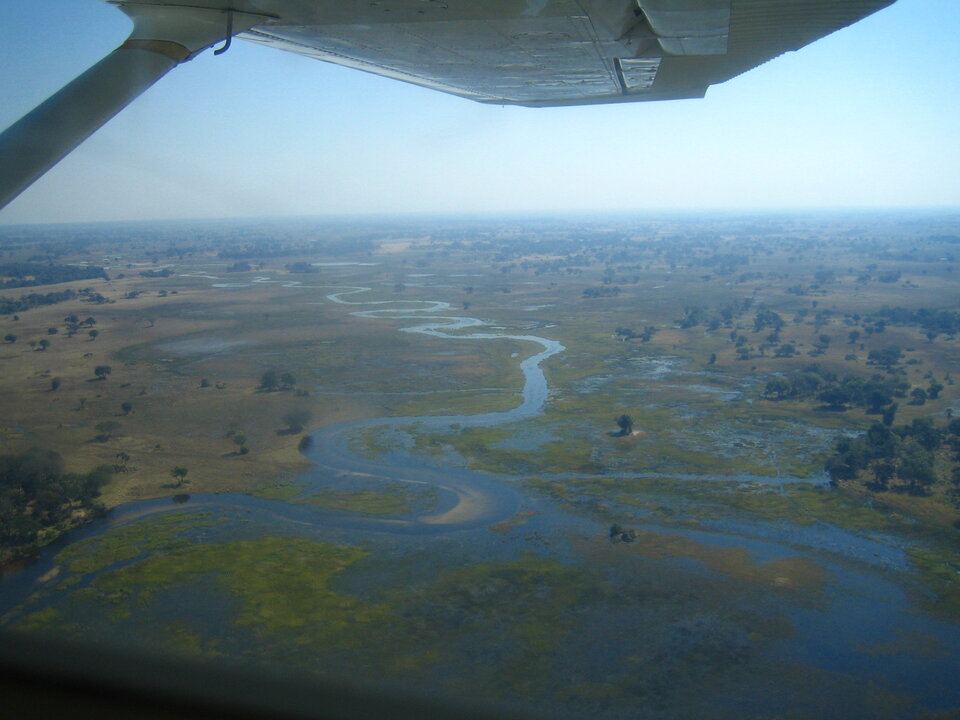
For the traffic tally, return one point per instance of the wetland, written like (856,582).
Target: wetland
(442,521)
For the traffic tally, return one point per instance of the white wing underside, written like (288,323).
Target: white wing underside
(559,52)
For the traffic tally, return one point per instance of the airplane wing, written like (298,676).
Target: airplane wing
(535,53)
(541,53)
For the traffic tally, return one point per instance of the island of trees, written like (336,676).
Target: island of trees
(39,499)
(918,459)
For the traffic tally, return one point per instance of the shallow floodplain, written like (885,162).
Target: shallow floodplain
(667,625)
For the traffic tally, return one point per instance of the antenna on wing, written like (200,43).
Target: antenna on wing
(226,45)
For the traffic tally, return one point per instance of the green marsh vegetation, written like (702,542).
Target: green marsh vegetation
(513,628)
(384,499)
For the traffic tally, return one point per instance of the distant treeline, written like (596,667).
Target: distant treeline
(262,250)
(910,458)
(166,272)
(29,274)
(27,302)
(36,494)
(946,322)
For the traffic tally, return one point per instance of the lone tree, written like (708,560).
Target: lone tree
(55,384)
(122,459)
(240,440)
(93,334)
(179,473)
(126,407)
(101,371)
(44,344)
(625,423)
(269,380)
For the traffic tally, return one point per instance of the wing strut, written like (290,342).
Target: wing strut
(162,38)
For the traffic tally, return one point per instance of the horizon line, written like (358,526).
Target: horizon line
(512,214)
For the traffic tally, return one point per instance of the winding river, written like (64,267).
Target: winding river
(479,500)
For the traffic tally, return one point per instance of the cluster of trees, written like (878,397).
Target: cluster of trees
(770,322)
(766,318)
(886,357)
(935,322)
(274,380)
(90,296)
(902,458)
(814,381)
(8,306)
(624,334)
(37,494)
(75,324)
(302,267)
(919,396)
(621,534)
(30,274)
(713,319)
(164,273)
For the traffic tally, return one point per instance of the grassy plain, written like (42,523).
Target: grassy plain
(187,351)
(188,358)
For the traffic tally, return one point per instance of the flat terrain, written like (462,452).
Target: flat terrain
(228,344)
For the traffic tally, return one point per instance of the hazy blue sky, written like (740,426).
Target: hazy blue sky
(868,117)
